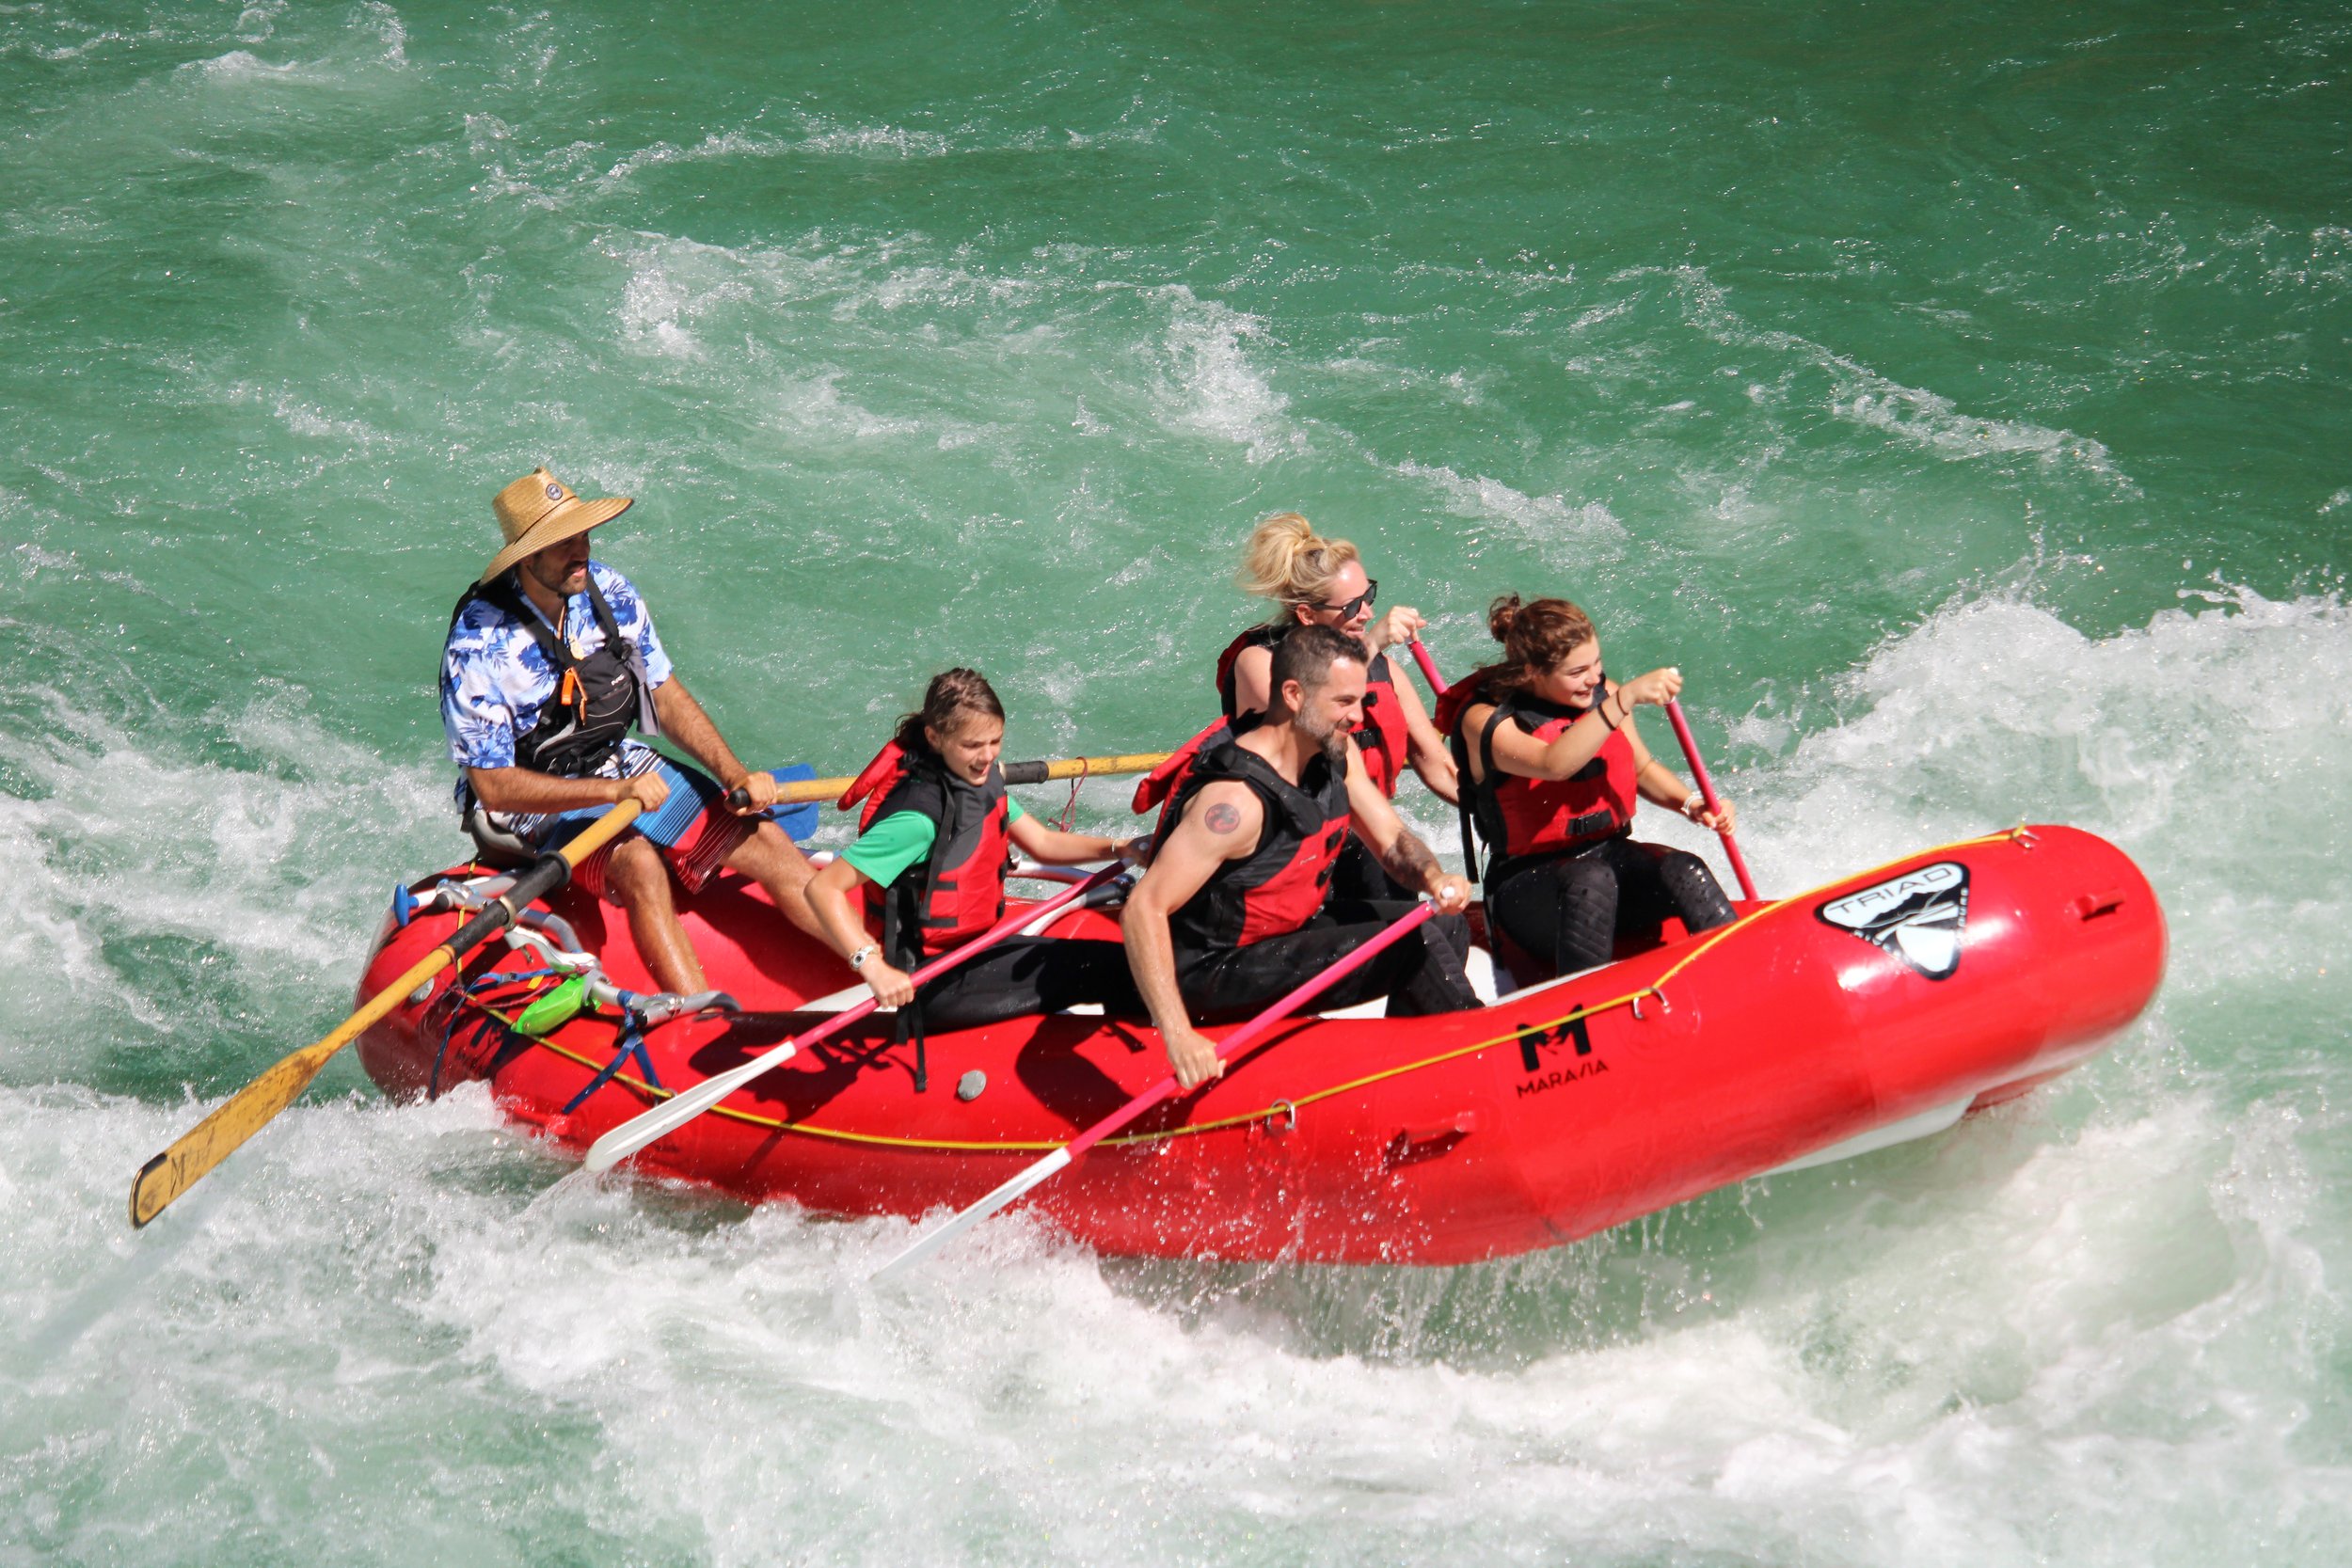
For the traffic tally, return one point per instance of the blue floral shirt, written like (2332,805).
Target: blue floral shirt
(495,680)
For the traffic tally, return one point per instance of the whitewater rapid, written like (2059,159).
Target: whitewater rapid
(2096,1326)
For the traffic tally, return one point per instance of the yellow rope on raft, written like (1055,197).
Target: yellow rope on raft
(1291,1102)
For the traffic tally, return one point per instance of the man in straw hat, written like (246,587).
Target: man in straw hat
(552,661)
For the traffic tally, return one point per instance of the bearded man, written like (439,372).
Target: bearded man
(1235,910)
(552,661)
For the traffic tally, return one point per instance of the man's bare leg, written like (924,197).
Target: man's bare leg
(641,881)
(776,862)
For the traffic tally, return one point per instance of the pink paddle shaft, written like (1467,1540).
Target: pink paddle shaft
(988,938)
(1256,1029)
(1707,793)
(947,962)
(1428,667)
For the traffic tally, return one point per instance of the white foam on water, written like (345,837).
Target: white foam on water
(814,405)
(383,21)
(1211,388)
(1961,1361)
(248,889)
(239,65)
(818,137)
(1858,393)
(374,22)
(58,54)
(657,304)
(1995,711)
(874,141)
(1586,533)
(2080,1339)
(717,145)
(2097,1327)
(256,22)
(1929,420)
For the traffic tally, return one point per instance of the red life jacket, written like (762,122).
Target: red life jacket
(1160,787)
(1519,817)
(1278,886)
(1382,737)
(959,892)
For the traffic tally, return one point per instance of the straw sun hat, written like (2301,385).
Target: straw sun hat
(538,510)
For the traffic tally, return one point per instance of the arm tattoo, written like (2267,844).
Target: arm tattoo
(1409,862)
(1220,818)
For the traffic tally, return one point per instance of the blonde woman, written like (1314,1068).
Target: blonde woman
(1317,581)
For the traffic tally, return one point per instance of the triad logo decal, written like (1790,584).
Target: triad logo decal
(1917,916)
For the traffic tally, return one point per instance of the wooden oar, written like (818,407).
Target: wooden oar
(1707,793)
(676,1112)
(1247,1034)
(803,790)
(176,1169)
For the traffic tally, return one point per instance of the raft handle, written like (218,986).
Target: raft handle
(2093,905)
(1413,1145)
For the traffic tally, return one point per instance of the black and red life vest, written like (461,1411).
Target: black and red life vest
(959,891)
(598,700)
(1519,817)
(1383,737)
(1161,786)
(1281,885)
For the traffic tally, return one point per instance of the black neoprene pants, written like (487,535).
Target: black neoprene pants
(1421,974)
(1030,975)
(1570,909)
(1356,876)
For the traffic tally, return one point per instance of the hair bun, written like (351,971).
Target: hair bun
(1288,562)
(1499,616)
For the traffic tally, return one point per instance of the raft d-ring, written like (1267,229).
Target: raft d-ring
(1281,1116)
(1663,1006)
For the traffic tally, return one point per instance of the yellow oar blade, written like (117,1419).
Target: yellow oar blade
(176,1169)
(171,1173)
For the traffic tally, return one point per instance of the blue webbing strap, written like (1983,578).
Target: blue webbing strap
(458,996)
(630,1044)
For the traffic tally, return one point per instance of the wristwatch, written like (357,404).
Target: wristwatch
(857,959)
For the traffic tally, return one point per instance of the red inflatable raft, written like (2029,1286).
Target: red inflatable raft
(1880,1007)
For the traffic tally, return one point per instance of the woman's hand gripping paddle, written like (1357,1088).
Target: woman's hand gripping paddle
(672,1114)
(176,1169)
(1707,793)
(1240,1040)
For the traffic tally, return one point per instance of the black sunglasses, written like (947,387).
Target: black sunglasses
(1347,612)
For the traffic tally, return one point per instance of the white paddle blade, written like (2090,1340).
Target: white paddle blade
(933,1240)
(666,1117)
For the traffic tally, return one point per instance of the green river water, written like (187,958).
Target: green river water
(1961,397)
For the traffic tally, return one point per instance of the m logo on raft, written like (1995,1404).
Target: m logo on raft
(1918,916)
(1536,1037)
